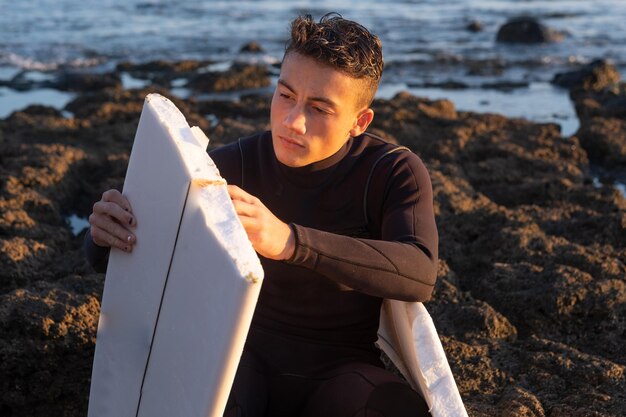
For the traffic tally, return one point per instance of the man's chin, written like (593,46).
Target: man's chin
(289,155)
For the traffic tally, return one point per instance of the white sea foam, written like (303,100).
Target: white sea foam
(32,64)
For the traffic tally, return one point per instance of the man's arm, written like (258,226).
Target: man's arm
(402,265)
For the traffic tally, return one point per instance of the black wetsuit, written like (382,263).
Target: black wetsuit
(310,350)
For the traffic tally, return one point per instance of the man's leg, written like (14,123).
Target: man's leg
(249,394)
(364,390)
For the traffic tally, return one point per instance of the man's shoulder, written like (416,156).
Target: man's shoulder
(391,161)
(377,149)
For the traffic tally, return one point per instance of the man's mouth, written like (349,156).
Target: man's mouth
(291,142)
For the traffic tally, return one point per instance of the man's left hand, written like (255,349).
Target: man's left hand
(270,237)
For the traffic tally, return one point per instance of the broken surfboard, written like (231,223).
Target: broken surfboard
(176,312)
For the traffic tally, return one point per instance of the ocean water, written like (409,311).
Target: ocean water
(426,43)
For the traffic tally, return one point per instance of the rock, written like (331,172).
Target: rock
(597,75)
(527,30)
(604,139)
(552,367)
(39,110)
(253,47)
(238,77)
(446,85)
(606,103)
(163,66)
(248,106)
(601,108)
(531,292)
(517,401)
(82,82)
(47,345)
(475,26)
(163,72)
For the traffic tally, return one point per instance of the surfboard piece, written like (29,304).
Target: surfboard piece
(176,311)
(408,336)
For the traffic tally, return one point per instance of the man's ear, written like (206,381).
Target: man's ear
(363,120)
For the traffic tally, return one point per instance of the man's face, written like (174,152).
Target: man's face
(314,111)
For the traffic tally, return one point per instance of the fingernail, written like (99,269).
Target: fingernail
(129,238)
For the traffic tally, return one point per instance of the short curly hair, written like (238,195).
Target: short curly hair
(342,44)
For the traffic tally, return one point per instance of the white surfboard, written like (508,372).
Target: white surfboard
(175,313)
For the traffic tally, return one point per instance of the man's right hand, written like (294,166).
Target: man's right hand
(112,221)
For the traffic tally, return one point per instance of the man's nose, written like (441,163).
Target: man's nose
(295,120)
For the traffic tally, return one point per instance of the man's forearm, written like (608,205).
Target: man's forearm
(397,270)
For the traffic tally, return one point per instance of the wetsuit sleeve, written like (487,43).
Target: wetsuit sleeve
(402,265)
(97,256)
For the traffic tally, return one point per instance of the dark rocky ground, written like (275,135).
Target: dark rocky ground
(531,298)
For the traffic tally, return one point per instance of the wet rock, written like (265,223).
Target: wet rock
(21,82)
(609,103)
(602,130)
(39,110)
(475,26)
(163,72)
(163,66)
(446,85)
(253,47)
(487,67)
(527,30)
(597,75)
(84,82)
(604,139)
(238,77)
(249,106)
(229,130)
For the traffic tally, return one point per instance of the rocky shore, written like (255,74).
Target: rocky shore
(531,298)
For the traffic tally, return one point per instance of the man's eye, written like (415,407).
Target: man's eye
(283,95)
(321,110)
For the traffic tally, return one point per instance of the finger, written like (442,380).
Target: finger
(114,210)
(243,208)
(237,193)
(112,229)
(102,238)
(114,196)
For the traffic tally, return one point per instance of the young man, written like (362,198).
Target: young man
(341,221)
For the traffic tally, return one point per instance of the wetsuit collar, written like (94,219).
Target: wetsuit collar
(314,174)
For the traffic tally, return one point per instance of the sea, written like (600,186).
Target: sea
(428,48)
